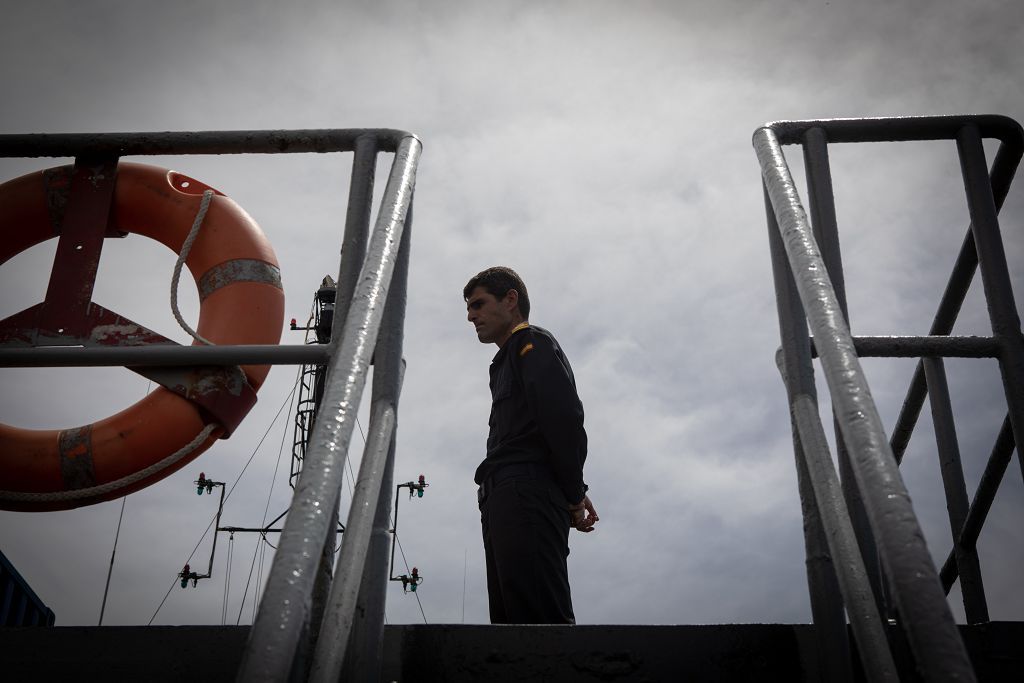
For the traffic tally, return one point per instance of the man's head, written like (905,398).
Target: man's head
(496,301)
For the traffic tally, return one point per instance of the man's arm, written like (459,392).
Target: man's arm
(552,398)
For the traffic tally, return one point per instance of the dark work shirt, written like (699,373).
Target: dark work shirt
(536,414)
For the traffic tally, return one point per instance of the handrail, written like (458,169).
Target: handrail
(900,128)
(316,140)
(369,313)
(282,615)
(912,578)
(353,621)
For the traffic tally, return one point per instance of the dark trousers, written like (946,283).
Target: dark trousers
(526,543)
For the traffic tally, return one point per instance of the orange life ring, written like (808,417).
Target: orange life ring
(242,302)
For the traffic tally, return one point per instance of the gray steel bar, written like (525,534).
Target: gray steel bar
(998,461)
(168,355)
(845,565)
(364,654)
(366,644)
(821,200)
(957,504)
(891,129)
(317,140)
(942,324)
(213,549)
(353,252)
(794,363)
(917,347)
(995,276)
(340,616)
(927,620)
(357,229)
(1004,167)
(285,605)
(854,581)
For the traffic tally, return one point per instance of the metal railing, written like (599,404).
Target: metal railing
(865,548)
(367,327)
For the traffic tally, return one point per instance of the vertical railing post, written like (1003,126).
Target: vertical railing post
(366,645)
(834,563)
(1004,167)
(995,276)
(274,636)
(340,616)
(957,504)
(798,375)
(918,595)
(821,201)
(995,468)
(353,252)
(357,229)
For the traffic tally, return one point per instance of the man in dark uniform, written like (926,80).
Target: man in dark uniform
(531,482)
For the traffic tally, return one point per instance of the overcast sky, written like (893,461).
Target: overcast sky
(603,150)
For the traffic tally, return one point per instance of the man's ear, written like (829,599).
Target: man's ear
(512,298)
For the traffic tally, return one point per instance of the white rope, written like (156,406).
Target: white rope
(77,494)
(92,491)
(185,249)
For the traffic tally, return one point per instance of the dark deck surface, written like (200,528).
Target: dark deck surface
(744,652)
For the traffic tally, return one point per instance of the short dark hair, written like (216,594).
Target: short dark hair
(497,281)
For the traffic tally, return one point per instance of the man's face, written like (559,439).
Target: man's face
(492,318)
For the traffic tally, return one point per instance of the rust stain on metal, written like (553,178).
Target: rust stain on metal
(76,465)
(215,380)
(124,334)
(222,392)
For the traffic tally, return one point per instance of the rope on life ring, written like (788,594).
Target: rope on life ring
(185,249)
(122,483)
(241,302)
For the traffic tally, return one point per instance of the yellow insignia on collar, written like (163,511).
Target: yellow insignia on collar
(525,350)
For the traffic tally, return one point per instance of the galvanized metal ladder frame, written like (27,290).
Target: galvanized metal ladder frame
(864,529)
(367,326)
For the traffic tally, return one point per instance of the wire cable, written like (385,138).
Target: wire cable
(227,579)
(226,497)
(407,569)
(267,542)
(247,581)
(117,534)
(391,522)
(259,580)
(266,508)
